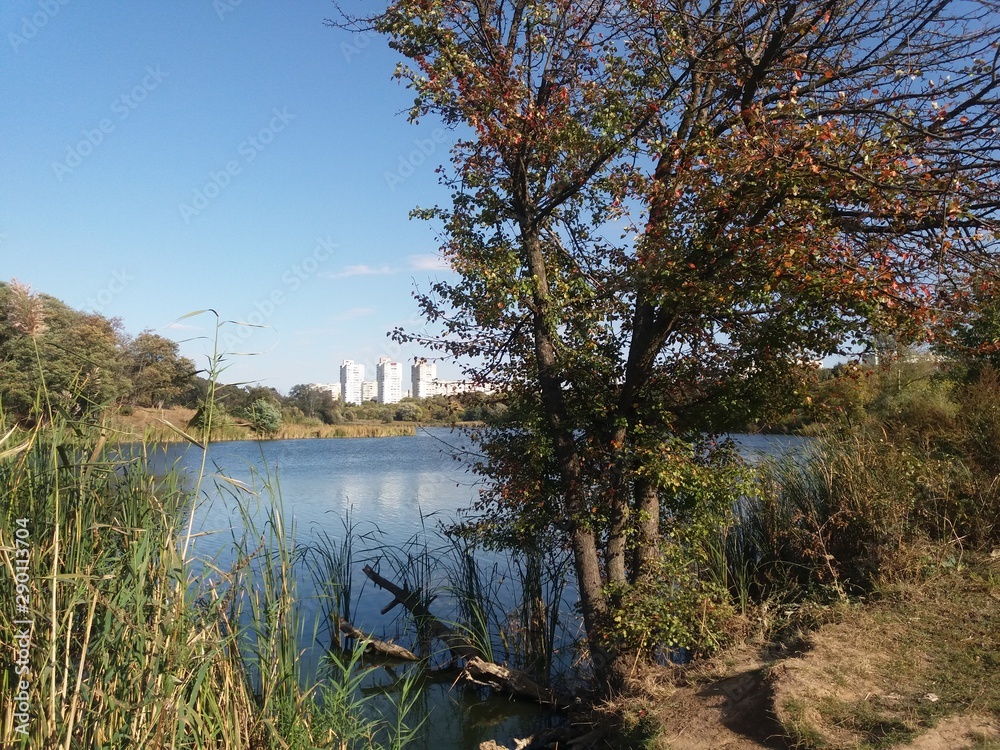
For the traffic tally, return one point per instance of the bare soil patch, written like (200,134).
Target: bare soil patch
(918,669)
(959,733)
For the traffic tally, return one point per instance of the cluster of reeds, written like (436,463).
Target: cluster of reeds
(837,518)
(114,637)
(228,430)
(510,605)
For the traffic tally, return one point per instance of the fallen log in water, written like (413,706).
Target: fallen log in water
(458,644)
(385,648)
(477,670)
(511,681)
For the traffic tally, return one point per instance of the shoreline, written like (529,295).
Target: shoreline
(170,426)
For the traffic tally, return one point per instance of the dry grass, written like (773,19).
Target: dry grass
(149,425)
(884,674)
(128,644)
(918,663)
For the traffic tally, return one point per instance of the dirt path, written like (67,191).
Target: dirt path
(737,712)
(919,669)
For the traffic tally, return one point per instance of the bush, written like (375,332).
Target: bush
(685,604)
(264,417)
(408,412)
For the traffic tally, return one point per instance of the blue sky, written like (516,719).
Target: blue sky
(164,157)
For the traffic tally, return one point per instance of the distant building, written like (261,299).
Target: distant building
(333,389)
(423,376)
(369,391)
(352,375)
(389,376)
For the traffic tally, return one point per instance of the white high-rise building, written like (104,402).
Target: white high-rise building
(369,391)
(352,375)
(390,381)
(422,376)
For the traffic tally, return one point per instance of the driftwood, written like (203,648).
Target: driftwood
(511,681)
(477,670)
(458,644)
(374,644)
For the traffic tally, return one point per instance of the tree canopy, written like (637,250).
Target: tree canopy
(663,210)
(82,361)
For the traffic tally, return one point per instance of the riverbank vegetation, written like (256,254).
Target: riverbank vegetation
(115,635)
(886,524)
(152,425)
(881,533)
(141,382)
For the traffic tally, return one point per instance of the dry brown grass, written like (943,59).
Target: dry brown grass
(918,663)
(888,672)
(150,425)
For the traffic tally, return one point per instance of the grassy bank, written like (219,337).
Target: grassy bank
(926,650)
(149,425)
(913,666)
(863,584)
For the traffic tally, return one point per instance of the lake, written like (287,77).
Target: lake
(396,491)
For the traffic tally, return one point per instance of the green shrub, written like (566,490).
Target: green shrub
(264,417)
(684,602)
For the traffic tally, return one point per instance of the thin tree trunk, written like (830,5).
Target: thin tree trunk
(647,548)
(583,539)
(618,537)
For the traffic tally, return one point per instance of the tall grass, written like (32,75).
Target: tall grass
(828,519)
(228,431)
(113,634)
(134,644)
(837,518)
(148,426)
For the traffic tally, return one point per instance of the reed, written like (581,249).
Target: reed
(119,636)
(128,644)
(508,604)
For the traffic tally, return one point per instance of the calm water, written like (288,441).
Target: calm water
(395,490)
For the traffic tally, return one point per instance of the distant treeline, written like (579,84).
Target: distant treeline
(87,361)
(90,364)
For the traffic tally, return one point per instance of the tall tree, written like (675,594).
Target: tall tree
(158,374)
(662,208)
(315,401)
(73,357)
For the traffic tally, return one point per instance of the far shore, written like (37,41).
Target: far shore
(170,425)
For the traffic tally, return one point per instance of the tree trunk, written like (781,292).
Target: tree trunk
(583,540)
(647,547)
